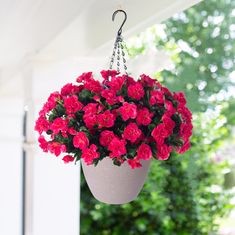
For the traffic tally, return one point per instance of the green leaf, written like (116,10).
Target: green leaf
(49,132)
(116,162)
(151,127)
(77,155)
(85,95)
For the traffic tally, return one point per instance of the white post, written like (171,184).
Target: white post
(52,189)
(10,167)
(28,161)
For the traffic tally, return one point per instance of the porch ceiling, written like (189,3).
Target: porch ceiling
(61,28)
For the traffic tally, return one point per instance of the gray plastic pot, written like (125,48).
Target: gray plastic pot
(115,185)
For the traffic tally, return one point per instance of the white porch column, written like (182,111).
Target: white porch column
(10,164)
(52,188)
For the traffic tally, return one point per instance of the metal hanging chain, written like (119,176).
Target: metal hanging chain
(118,50)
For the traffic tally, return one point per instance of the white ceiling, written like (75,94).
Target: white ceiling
(26,26)
(93,29)
(62,28)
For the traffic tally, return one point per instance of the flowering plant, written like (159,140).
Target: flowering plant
(120,118)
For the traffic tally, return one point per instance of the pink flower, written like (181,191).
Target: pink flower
(156,97)
(108,73)
(134,163)
(169,123)
(42,124)
(43,144)
(93,86)
(129,80)
(106,119)
(147,81)
(163,151)
(185,113)
(120,99)
(144,152)
(96,98)
(68,158)
(184,148)
(166,91)
(80,141)
(56,148)
(186,130)
(117,147)
(100,108)
(72,105)
(144,117)
(69,89)
(128,110)
(132,132)
(89,154)
(114,113)
(90,83)
(51,103)
(116,83)
(90,108)
(135,91)
(72,131)
(159,133)
(90,115)
(180,97)
(90,120)
(110,96)
(106,137)
(58,125)
(169,108)
(84,77)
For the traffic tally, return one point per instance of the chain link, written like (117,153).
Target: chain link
(118,53)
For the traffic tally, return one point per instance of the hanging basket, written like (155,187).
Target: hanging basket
(115,185)
(115,124)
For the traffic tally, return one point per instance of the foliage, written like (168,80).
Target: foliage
(184,195)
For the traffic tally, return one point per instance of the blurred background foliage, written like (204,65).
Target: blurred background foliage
(185,195)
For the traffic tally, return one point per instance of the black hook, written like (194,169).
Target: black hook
(113,17)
